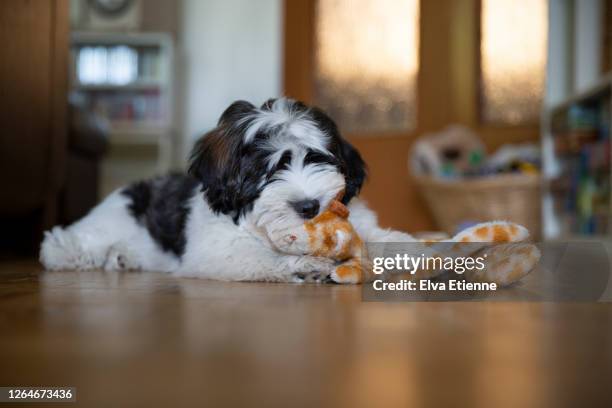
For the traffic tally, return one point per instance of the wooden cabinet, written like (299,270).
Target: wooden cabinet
(33,106)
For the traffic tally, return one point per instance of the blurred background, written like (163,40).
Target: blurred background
(465,110)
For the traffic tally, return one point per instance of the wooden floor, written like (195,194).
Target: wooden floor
(147,339)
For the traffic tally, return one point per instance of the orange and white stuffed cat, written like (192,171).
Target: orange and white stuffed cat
(509,256)
(331,235)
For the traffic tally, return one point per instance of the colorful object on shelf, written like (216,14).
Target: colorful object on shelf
(581,190)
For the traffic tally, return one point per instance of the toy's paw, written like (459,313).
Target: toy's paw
(507,263)
(347,273)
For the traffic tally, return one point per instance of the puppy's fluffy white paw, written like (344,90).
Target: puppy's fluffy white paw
(60,249)
(312,269)
(120,259)
(312,277)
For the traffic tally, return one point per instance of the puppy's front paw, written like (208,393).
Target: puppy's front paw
(312,277)
(312,269)
(119,259)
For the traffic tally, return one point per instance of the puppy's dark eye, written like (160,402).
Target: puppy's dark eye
(282,164)
(284,161)
(315,157)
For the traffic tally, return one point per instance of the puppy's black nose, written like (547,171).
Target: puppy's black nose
(306,208)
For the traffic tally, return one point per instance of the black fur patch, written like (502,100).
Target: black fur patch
(316,157)
(161,205)
(283,163)
(350,163)
(230,170)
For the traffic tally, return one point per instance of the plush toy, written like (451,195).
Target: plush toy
(503,244)
(509,257)
(331,235)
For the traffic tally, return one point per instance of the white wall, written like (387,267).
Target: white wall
(559,73)
(231,49)
(587,43)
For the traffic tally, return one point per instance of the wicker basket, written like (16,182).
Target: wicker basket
(512,197)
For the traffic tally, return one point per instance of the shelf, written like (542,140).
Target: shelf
(138,136)
(599,89)
(579,133)
(136,39)
(139,129)
(150,94)
(133,140)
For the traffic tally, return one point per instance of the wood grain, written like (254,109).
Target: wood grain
(148,339)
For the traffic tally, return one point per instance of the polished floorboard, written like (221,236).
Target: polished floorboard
(148,339)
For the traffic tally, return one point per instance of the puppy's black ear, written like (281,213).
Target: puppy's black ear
(211,156)
(235,112)
(220,160)
(213,152)
(353,167)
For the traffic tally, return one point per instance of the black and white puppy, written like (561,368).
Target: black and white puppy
(260,172)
